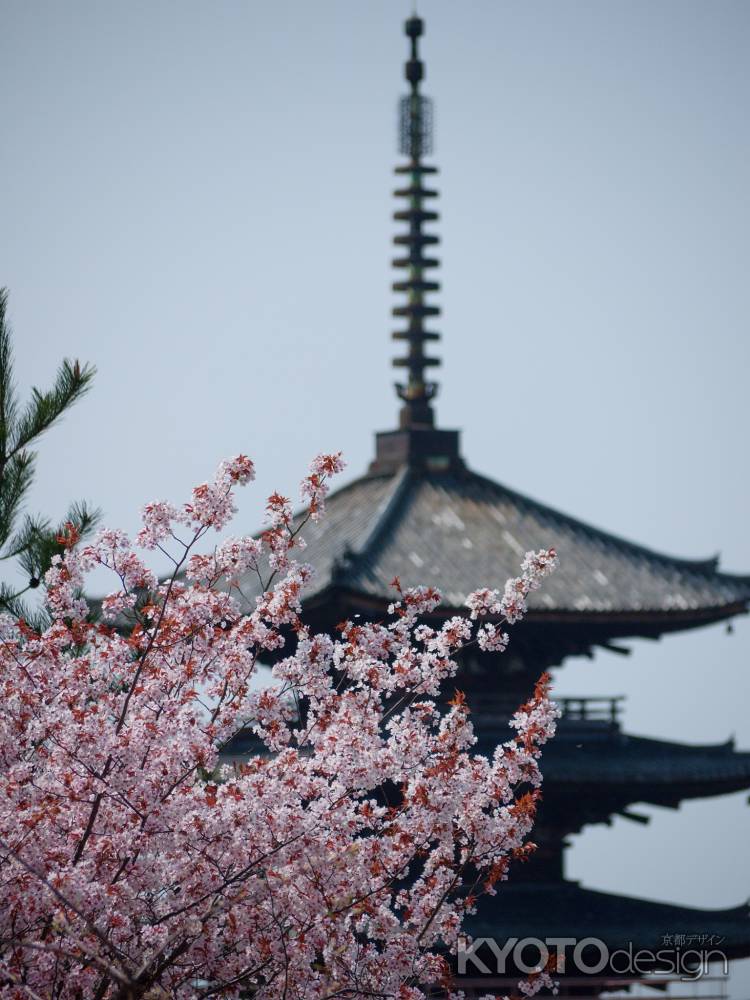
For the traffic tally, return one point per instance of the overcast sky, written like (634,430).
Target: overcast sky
(196,198)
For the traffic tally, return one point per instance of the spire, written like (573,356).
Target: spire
(415,128)
(417,443)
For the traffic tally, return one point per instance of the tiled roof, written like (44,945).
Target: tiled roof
(565,910)
(592,772)
(598,753)
(654,764)
(458,530)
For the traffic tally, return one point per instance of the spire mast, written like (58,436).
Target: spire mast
(415,128)
(417,444)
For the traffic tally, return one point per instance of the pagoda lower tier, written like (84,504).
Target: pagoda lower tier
(627,937)
(592,771)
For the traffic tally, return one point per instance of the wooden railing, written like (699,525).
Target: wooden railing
(595,709)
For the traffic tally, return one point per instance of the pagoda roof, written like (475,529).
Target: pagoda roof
(659,769)
(591,749)
(458,530)
(563,909)
(594,771)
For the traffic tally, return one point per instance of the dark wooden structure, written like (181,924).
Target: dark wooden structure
(420,514)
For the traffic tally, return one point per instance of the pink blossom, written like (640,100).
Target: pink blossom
(492,639)
(136,863)
(314,487)
(157,518)
(537,565)
(483,602)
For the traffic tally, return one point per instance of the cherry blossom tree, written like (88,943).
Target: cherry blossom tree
(338,862)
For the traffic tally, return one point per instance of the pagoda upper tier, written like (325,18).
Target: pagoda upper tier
(457,530)
(422,516)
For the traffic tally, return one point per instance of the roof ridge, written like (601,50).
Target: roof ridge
(384,512)
(345,562)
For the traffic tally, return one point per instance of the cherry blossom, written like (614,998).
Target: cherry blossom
(337,859)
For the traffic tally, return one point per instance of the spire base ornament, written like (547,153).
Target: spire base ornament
(425,448)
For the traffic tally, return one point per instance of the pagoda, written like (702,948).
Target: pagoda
(420,514)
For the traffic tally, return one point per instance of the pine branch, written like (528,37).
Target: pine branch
(37,543)
(8,400)
(37,618)
(11,601)
(71,383)
(15,480)
(32,526)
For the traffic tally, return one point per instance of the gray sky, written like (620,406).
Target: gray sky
(196,197)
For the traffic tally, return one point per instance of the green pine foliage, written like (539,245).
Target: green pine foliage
(32,540)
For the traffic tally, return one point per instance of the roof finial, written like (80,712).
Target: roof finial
(415,142)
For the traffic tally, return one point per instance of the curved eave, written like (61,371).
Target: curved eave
(633,623)
(657,771)
(565,909)
(634,787)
